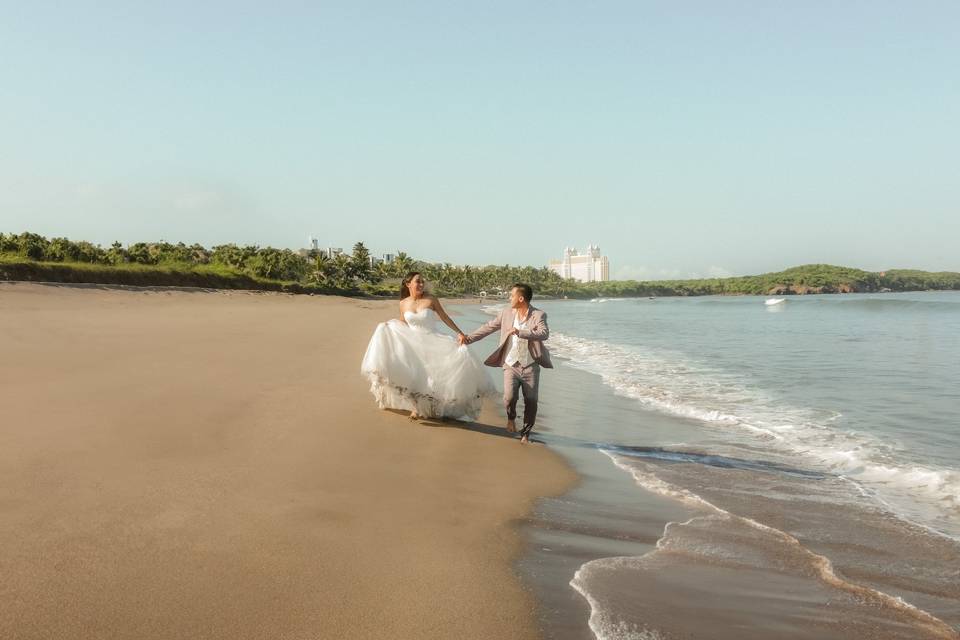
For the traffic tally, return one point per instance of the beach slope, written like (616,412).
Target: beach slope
(192,464)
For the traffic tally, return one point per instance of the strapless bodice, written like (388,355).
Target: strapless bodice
(425,319)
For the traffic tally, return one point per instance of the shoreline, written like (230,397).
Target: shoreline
(452,300)
(176,465)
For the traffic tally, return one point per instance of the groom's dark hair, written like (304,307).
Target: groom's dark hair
(525,291)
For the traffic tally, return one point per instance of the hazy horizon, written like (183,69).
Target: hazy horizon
(702,140)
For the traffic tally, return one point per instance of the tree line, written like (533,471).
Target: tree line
(344,272)
(283,269)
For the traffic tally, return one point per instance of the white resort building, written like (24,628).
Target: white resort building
(585,267)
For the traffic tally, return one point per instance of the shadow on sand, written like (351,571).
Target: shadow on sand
(450,423)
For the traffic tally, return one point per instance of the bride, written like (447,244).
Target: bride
(414,367)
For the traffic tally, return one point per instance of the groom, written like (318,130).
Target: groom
(521,353)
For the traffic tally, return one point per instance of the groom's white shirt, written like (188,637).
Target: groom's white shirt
(519,352)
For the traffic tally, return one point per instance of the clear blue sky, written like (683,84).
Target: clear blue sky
(685,138)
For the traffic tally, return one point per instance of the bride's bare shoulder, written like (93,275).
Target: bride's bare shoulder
(434,302)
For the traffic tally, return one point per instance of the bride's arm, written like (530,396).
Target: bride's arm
(438,308)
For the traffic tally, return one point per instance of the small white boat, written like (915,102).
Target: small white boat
(772,301)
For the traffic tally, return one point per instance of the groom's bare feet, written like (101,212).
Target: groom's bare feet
(512,426)
(525,440)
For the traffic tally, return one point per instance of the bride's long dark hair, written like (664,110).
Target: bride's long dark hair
(404,289)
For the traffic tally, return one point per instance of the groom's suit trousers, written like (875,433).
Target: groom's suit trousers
(527,380)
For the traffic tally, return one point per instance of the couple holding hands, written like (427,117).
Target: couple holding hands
(414,367)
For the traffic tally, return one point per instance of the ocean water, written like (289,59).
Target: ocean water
(752,470)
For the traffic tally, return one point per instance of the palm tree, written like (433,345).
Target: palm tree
(402,264)
(460,279)
(321,268)
(341,271)
(382,271)
(468,278)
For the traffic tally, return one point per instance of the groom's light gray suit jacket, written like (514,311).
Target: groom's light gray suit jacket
(535,333)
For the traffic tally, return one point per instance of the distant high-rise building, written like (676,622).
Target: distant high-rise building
(313,248)
(585,267)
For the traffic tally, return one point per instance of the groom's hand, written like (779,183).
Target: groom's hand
(462,339)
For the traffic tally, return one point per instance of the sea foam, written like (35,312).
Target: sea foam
(607,623)
(677,385)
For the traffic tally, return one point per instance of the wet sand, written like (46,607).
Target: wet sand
(211,465)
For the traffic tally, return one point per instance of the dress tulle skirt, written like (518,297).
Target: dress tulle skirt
(412,368)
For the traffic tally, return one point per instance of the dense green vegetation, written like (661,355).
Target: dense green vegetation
(29,256)
(811,278)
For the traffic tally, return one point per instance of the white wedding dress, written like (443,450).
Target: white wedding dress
(413,366)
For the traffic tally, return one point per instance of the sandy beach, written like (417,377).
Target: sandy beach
(191,464)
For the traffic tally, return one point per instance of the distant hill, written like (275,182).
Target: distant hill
(805,279)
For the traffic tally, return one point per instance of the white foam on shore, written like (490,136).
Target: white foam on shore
(673,384)
(493,309)
(606,625)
